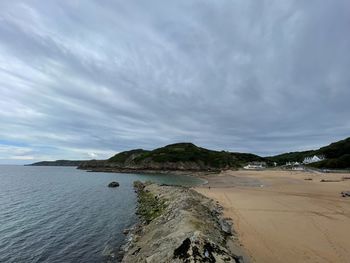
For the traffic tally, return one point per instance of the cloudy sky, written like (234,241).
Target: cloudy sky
(86,79)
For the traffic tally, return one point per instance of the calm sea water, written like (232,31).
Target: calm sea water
(61,214)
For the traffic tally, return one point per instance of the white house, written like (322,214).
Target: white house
(313,159)
(255,165)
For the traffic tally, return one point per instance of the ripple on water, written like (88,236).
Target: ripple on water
(61,214)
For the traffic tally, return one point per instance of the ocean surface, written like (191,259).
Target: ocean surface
(61,214)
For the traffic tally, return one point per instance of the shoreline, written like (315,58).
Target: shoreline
(293,217)
(196,173)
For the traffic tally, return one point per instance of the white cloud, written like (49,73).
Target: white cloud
(93,155)
(22,158)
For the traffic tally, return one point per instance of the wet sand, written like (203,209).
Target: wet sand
(280,217)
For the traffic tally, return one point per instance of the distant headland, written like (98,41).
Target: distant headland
(58,163)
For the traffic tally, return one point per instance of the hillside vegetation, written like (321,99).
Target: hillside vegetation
(337,156)
(179,156)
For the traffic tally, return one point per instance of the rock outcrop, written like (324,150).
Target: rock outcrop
(345,194)
(113,184)
(179,225)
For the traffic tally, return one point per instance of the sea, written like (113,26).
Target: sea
(62,214)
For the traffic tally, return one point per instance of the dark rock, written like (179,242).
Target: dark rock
(208,252)
(136,251)
(182,251)
(113,184)
(329,181)
(345,194)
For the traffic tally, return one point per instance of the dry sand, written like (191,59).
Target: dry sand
(280,217)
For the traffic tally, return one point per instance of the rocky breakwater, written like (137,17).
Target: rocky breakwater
(180,225)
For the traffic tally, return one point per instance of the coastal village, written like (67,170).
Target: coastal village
(298,166)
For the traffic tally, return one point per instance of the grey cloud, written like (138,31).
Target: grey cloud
(95,77)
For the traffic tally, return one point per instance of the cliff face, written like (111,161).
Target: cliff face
(180,225)
(181,157)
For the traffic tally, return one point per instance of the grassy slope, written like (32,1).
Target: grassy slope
(337,156)
(187,152)
(291,157)
(123,156)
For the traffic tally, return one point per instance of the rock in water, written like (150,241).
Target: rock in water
(113,184)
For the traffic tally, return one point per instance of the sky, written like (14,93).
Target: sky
(87,79)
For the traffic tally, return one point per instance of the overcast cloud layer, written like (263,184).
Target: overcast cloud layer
(86,79)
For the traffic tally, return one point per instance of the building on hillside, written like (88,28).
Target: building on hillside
(296,166)
(292,163)
(313,159)
(255,165)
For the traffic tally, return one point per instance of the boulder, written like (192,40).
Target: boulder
(113,184)
(345,194)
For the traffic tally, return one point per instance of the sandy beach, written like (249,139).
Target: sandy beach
(281,217)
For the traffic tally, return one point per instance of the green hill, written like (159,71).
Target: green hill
(291,157)
(337,156)
(179,156)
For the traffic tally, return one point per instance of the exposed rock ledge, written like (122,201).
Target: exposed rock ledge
(180,225)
